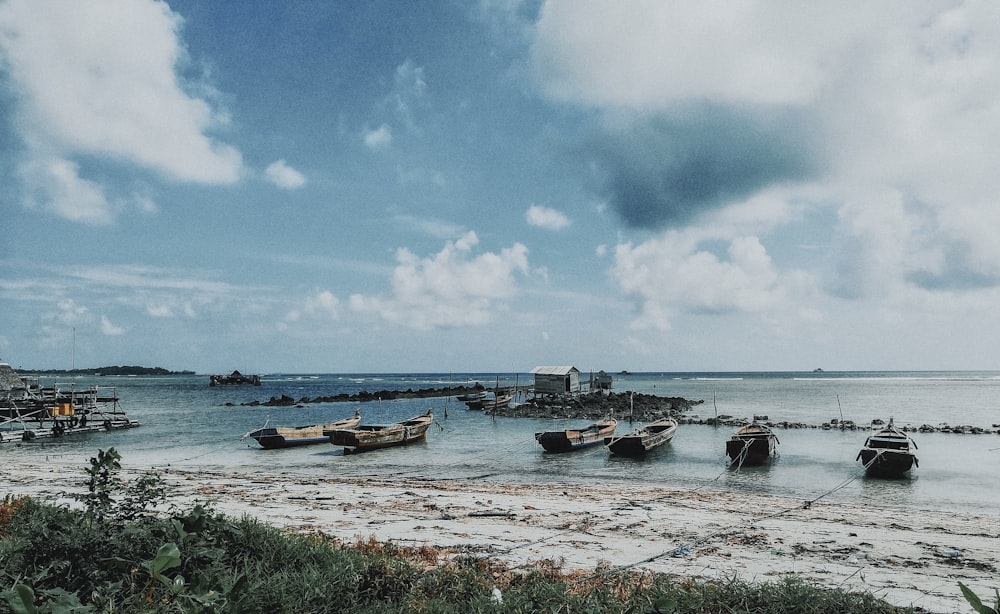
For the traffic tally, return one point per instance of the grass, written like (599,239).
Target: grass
(117,554)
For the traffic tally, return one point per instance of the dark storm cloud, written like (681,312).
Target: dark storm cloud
(667,169)
(957,272)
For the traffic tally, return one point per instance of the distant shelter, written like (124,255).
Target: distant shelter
(556,380)
(601,381)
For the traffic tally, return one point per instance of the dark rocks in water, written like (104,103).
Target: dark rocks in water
(364,396)
(624,406)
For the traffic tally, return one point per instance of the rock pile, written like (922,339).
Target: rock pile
(624,406)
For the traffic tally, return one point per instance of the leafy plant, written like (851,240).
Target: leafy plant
(977,603)
(21,599)
(102,483)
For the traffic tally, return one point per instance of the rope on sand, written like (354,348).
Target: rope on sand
(689,546)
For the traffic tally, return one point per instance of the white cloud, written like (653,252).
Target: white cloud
(545,217)
(55,184)
(110,329)
(894,107)
(379,138)
(57,324)
(160,311)
(284,176)
(98,79)
(674,274)
(145,203)
(449,289)
(408,93)
(655,54)
(323,305)
(440,229)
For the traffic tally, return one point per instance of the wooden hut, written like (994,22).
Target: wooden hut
(556,380)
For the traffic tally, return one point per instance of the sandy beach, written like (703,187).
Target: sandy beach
(908,558)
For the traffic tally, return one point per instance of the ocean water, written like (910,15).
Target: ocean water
(186,423)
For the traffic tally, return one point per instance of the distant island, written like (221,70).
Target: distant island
(115,370)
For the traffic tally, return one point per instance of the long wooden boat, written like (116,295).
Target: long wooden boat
(575,439)
(490,401)
(375,436)
(888,452)
(640,441)
(472,395)
(274,437)
(753,444)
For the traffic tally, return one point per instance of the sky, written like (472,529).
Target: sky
(492,185)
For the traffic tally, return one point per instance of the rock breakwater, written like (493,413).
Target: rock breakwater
(632,406)
(361,397)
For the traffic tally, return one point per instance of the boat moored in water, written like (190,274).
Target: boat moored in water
(753,444)
(490,401)
(888,452)
(640,441)
(575,439)
(373,436)
(275,437)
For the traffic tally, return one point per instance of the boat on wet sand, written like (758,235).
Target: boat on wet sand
(753,444)
(640,441)
(275,437)
(888,452)
(375,436)
(575,439)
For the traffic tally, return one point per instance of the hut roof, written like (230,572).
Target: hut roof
(554,370)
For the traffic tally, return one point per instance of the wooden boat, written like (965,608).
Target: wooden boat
(490,401)
(373,436)
(469,397)
(575,439)
(753,444)
(474,394)
(888,452)
(287,437)
(640,441)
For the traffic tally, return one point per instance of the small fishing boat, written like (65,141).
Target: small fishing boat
(640,441)
(575,439)
(274,437)
(888,452)
(374,436)
(753,444)
(470,397)
(490,401)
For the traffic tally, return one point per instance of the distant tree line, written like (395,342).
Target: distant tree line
(115,370)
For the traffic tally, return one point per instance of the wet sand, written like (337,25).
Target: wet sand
(909,558)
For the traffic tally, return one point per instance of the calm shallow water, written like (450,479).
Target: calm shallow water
(186,423)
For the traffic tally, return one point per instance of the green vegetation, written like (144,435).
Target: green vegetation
(977,603)
(119,550)
(113,370)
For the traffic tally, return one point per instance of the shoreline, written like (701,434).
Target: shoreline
(908,557)
(641,407)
